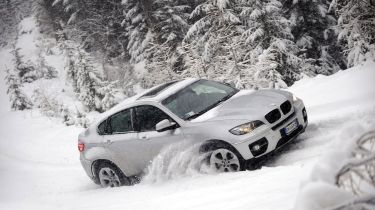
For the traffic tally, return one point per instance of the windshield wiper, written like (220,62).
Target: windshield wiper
(212,106)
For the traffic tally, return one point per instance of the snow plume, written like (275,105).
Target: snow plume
(177,161)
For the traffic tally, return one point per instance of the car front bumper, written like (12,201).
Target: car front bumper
(273,137)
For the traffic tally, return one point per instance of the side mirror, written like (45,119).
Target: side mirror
(165,125)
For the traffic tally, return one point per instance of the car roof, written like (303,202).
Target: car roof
(144,97)
(173,89)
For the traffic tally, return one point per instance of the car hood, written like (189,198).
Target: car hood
(246,105)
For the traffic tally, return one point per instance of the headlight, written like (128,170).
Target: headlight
(246,128)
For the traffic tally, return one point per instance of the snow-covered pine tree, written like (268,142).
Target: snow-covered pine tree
(163,59)
(356,26)
(169,21)
(160,65)
(72,8)
(18,100)
(25,69)
(47,104)
(268,36)
(137,23)
(313,30)
(68,48)
(85,84)
(46,71)
(83,74)
(212,43)
(11,13)
(107,95)
(266,70)
(97,25)
(43,13)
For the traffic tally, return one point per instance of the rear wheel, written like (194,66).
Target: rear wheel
(110,176)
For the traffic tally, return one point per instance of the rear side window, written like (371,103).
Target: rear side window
(148,116)
(103,128)
(121,122)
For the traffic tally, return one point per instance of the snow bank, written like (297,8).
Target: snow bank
(347,93)
(319,191)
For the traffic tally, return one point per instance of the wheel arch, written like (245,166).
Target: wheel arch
(212,144)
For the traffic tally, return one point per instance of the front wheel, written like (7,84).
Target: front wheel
(111,176)
(225,160)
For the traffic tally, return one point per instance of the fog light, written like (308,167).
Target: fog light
(256,147)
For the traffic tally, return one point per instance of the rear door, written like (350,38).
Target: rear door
(122,141)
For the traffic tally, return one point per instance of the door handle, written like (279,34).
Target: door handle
(108,141)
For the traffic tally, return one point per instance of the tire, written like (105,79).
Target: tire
(223,158)
(110,176)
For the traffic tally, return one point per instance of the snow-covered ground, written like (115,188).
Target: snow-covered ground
(40,169)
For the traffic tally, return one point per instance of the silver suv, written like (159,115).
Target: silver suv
(232,126)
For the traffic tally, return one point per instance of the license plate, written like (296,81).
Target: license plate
(291,127)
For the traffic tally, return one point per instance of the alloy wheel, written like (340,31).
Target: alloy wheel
(224,160)
(109,178)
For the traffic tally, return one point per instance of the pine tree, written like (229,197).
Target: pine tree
(11,13)
(137,22)
(269,36)
(163,60)
(356,29)
(25,69)
(107,96)
(84,75)
(266,70)
(69,48)
(160,65)
(44,15)
(19,101)
(211,43)
(45,71)
(97,25)
(313,31)
(85,84)
(47,104)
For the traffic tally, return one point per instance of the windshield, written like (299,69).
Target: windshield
(198,98)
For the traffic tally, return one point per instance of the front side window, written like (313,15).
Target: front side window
(198,98)
(121,122)
(148,116)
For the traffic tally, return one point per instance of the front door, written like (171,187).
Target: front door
(152,141)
